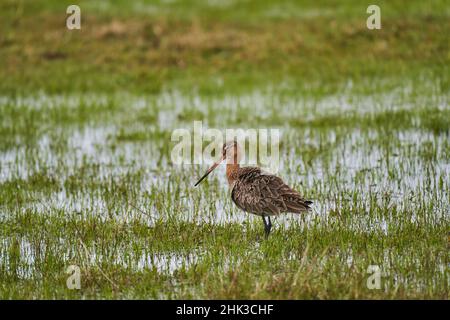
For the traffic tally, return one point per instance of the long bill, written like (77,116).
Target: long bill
(209,171)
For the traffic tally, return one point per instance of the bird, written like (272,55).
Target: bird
(255,191)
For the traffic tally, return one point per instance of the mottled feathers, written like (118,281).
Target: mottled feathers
(264,194)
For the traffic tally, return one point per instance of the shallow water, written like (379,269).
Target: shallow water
(354,155)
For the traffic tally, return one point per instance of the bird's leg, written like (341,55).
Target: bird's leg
(267,226)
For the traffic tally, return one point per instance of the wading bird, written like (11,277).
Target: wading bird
(257,192)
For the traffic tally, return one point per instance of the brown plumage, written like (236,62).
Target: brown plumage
(256,192)
(264,194)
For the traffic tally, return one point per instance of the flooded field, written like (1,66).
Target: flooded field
(101,193)
(87,180)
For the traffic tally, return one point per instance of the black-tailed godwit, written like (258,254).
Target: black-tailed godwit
(255,191)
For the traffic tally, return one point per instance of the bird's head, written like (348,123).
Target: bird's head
(230,152)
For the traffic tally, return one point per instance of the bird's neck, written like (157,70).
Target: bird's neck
(232,169)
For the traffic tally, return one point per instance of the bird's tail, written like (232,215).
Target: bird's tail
(297,204)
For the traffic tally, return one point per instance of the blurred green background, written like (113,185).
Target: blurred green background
(216,46)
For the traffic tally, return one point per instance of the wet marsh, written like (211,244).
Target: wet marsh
(86,176)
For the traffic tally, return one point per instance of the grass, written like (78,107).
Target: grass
(86,177)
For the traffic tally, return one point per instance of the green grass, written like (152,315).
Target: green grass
(86,176)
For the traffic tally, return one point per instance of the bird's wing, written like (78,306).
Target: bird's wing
(265,194)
